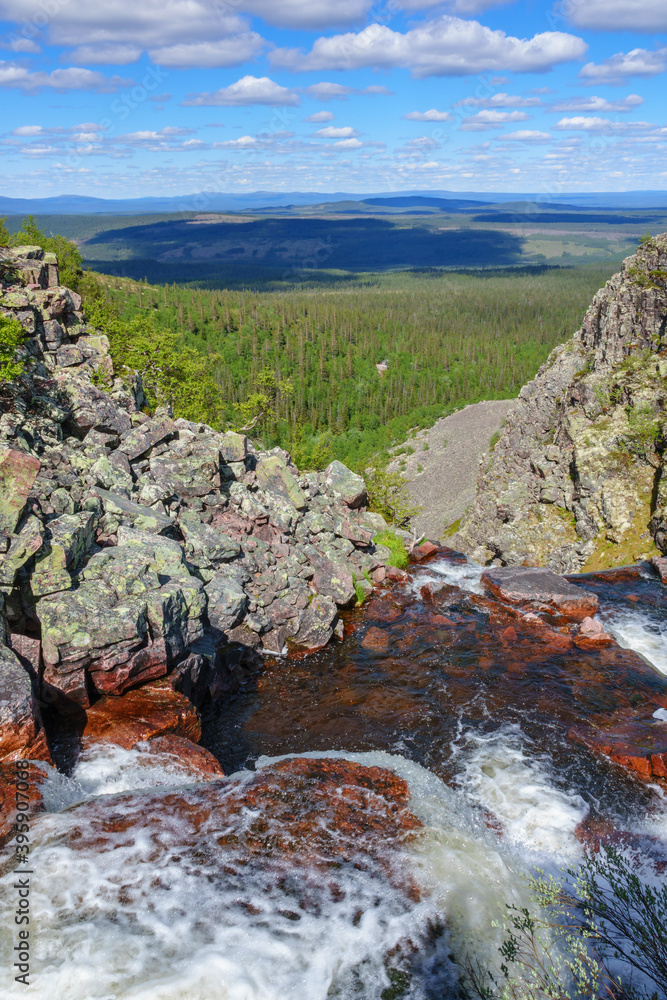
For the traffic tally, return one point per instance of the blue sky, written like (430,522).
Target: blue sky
(128,98)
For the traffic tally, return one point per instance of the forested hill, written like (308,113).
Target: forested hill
(448,339)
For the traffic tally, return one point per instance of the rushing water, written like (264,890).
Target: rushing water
(150,887)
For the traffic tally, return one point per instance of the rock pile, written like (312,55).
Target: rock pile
(578,472)
(134,545)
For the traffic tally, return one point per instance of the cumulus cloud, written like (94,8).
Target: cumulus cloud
(19,44)
(620,67)
(485,120)
(329,91)
(349,144)
(598,104)
(314,14)
(112,54)
(160,27)
(448,46)
(19,78)
(320,116)
(331,132)
(432,115)
(248,90)
(499,101)
(619,15)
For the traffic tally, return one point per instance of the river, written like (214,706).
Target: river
(445,751)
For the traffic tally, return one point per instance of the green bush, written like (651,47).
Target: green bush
(6,237)
(388,495)
(12,336)
(399,554)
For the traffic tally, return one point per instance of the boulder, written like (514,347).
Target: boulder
(68,538)
(193,475)
(151,711)
(205,544)
(23,546)
(133,514)
(92,409)
(233,447)
(178,754)
(142,438)
(18,473)
(333,579)
(20,730)
(274,476)
(227,601)
(532,585)
(317,623)
(345,484)
(29,800)
(659,564)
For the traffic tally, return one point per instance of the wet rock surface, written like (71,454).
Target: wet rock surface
(525,585)
(577,476)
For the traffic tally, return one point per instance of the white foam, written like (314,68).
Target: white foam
(466,576)
(534,814)
(660,713)
(640,631)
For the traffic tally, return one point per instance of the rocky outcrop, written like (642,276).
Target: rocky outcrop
(133,543)
(578,472)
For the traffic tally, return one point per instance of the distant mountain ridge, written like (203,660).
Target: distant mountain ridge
(74,204)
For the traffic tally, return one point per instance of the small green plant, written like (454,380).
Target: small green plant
(399,554)
(6,237)
(12,336)
(452,528)
(495,438)
(388,495)
(426,446)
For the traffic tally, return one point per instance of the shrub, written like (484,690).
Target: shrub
(12,336)
(388,495)
(563,950)
(69,259)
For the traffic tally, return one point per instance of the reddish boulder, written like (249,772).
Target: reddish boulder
(21,734)
(533,585)
(659,564)
(18,472)
(19,793)
(423,552)
(153,710)
(376,640)
(640,746)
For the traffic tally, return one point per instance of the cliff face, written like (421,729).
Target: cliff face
(577,478)
(135,545)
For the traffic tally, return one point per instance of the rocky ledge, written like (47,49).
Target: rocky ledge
(135,545)
(577,477)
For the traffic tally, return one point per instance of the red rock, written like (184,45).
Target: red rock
(30,775)
(200,762)
(423,552)
(145,665)
(376,639)
(18,472)
(153,710)
(321,813)
(640,745)
(659,564)
(379,575)
(396,574)
(533,585)
(508,636)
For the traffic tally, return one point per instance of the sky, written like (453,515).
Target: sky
(133,98)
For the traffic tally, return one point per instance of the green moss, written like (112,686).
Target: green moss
(452,529)
(399,553)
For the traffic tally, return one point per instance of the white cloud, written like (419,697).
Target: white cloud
(329,91)
(19,78)
(247,90)
(620,67)
(619,15)
(314,14)
(376,91)
(28,130)
(156,26)
(448,46)
(582,123)
(485,120)
(331,132)
(499,101)
(207,55)
(320,116)
(111,54)
(432,115)
(148,135)
(349,144)
(527,135)
(19,44)
(598,104)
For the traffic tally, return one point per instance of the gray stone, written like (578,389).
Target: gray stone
(274,476)
(529,584)
(317,623)
(23,547)
(141,439)
(205,543)
(345,484)
(227,601)
(134,514)
(68,538)
(18,473)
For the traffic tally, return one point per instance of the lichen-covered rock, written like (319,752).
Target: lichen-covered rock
(572,481)
(18,472)
(333,579)
(20,726)
(227,601)
(274,475)
(23,546)
(317,623)
(345,484)
(67,540)
(206,544)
